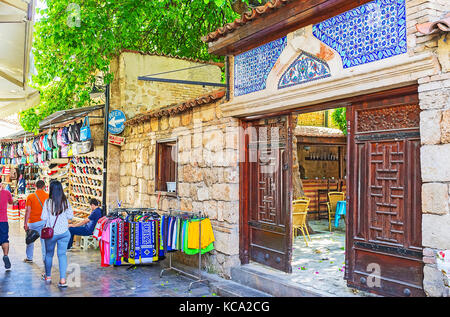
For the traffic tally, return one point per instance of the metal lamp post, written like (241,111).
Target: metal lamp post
(95,93)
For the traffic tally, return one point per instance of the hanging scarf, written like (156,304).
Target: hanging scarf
(147,246)
(113,246)
(132,243)
(120,226)
(126,241)
(156,230)
(161,237)
(137,249)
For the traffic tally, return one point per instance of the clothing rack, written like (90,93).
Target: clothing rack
(116,212)
(198,278)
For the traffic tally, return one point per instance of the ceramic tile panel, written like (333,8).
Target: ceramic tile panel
(305,68)
(371,32)
(252,67)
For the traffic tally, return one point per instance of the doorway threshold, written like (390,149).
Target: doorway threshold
(281,284)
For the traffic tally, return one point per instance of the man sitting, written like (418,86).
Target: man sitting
(86,227)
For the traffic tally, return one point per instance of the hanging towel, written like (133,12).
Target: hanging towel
(186,241)
(194,230)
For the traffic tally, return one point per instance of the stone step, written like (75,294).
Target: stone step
(229,288)
(271,282)
(220,286)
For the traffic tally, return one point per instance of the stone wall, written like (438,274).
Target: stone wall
(134,96)
(208,175)
(434,96)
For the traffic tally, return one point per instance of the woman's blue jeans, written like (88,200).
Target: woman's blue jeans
(61,240)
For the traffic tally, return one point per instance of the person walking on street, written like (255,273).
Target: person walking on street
(86,227)
(34,205)
(5,199)
(56,213)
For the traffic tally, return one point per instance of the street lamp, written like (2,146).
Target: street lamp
(98,91)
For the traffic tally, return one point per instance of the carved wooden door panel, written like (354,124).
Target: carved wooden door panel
(384,240)
(268,221)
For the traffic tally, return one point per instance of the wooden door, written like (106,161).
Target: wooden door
(384,239)
(265,192)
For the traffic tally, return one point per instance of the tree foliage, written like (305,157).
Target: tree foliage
(339,118)
(75,38)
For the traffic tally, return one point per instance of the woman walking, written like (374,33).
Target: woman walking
(56,213)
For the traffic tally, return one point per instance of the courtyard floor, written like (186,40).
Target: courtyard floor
(24,279)
(321,264)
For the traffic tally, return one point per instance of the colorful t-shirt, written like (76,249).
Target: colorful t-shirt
(5,199)
(36,208)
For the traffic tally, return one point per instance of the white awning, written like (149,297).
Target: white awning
(16,34)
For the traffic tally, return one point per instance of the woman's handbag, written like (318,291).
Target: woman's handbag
(47,232)
(85,131)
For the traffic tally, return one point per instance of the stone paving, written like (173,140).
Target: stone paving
(94,281)
(321,264)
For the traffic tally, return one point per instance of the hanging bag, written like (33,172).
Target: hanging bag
(86,146)
(85,131)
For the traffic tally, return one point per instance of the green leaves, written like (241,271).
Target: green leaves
(76,38)
(339,118)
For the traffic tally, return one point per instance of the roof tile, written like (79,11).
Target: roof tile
(432,27)
(245,18)
(177,108)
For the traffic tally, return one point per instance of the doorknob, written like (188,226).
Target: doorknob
(407,292)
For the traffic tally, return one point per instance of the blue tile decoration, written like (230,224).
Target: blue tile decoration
(371,32)
(252,67)
(305,68)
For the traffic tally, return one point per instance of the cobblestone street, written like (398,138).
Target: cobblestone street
(24,279)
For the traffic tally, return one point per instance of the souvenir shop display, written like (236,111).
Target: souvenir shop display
(58,153)
(86,182)
(142,235)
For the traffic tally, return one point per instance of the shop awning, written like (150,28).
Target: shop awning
(8,128)
(17,136)
(67,115)
(16,34)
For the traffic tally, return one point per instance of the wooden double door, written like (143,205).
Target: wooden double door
(383,238)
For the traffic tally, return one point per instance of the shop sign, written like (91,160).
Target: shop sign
(116,122)
(116,140)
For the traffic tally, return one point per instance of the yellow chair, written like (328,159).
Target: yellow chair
(304,198)
(299,212)
(333,198)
